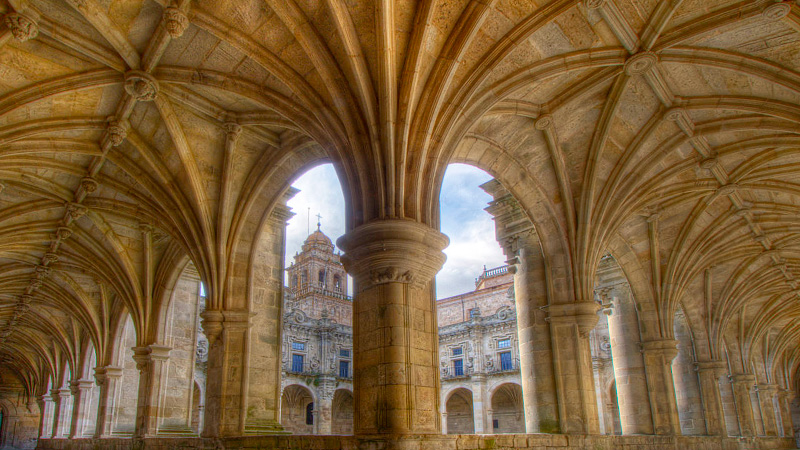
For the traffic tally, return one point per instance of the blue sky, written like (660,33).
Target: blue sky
(463,220)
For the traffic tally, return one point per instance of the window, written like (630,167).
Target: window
(310,414)
(458,367)
(344,369)
(504,343)
(337,283)
(457,351)
(474,312)
(299,346)
(495,424)
(505,361)
(297,363)
(321,277)
(344,353)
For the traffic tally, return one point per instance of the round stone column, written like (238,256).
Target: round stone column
(395,333)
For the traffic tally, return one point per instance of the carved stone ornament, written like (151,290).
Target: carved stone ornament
(233,129)
(708,163)
(175,21)
(116,132)
(141,85)
(63,233)
(49,258)
(640,63)
(89,184)
(544,122)
(594,4)
(76,210)
(391,275)
(23,28)
(776,11)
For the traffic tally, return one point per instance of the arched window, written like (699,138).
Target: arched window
(294,281)
(310,414)
(304,278)
(321,277)
(337,282)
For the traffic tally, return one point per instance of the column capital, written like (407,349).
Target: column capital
(79,385)
(717,367)
(768,388)
(786,394)
(151,353)
(102,374)
(59,394)
(666,347)
(583,314)
(744,378)
(211,322)
(393,251)
(45,398)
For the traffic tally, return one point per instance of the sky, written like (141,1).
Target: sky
(463,220)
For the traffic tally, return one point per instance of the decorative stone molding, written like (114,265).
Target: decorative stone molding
(175,21)
(747,379)
(141,85)
(116,132)
(583,314)
(776,11)
(707,163)
(144,356)
(666,347)
(717,367)
(49,258)
(594,4)
(232,129)
(640,63)
(22,27)
(544,122)
(211,322)
(393,251)
(63,233)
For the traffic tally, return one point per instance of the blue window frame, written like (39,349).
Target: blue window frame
(458,351)
(505,361)
(344,353)
(297,363)
(458,367)
(344,369)
(298,346)
(504,343)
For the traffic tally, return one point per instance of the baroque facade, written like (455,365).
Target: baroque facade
(655,142)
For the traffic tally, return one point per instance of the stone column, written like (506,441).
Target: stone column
(742,384)
(151,361)
(323,420)
(225,382)
(570,325)
(61,412)
(629,372)
(480,403)
(784,404)
(708,374)
(107,379)
(444,423)
(395,333)
(766,399)
(658,356)
(515,232)
(81,401)
(46,421)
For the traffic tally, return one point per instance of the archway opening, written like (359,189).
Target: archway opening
(127,389)
(296,403)
(460,417)
(507,414)
(342,412)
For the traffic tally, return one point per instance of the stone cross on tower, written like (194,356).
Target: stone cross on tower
(319,218)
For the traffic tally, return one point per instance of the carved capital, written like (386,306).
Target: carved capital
(717,368)
(582,314)
(211,321)
(745,379)
(23,28)
(393,251)
(668,348)
(640,63)
(175,21)
(141,85)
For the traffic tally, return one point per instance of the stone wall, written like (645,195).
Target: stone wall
(452,442)
(456,309)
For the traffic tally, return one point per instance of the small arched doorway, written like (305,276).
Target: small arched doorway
(342,414)
(460,417)
(296,403)
(507,413)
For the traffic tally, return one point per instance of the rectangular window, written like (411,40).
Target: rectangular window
(344,369)
(458,351)
(505,361)
(458,367)
(298,346)
(297,363)
(344,353)
(495,424)
(504,343)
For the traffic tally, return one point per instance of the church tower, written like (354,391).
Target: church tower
(318,282)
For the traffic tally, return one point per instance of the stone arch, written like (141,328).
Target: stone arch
(507,411)
(687,387)
(342,412)
(295,399)
(125,398)
(198,407)
(459,408)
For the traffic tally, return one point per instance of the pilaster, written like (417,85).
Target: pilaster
(61,412)
(480,403)
(151,361)
(81,402)
(708,374)
(395,333)
(766,399)
(658,357)
(107,379)
(742,384)
(785,397)
(46,420)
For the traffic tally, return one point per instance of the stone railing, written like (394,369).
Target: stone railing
(308,289)
(427,442)
(489,273)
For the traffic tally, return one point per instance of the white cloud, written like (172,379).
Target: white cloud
(471,230)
